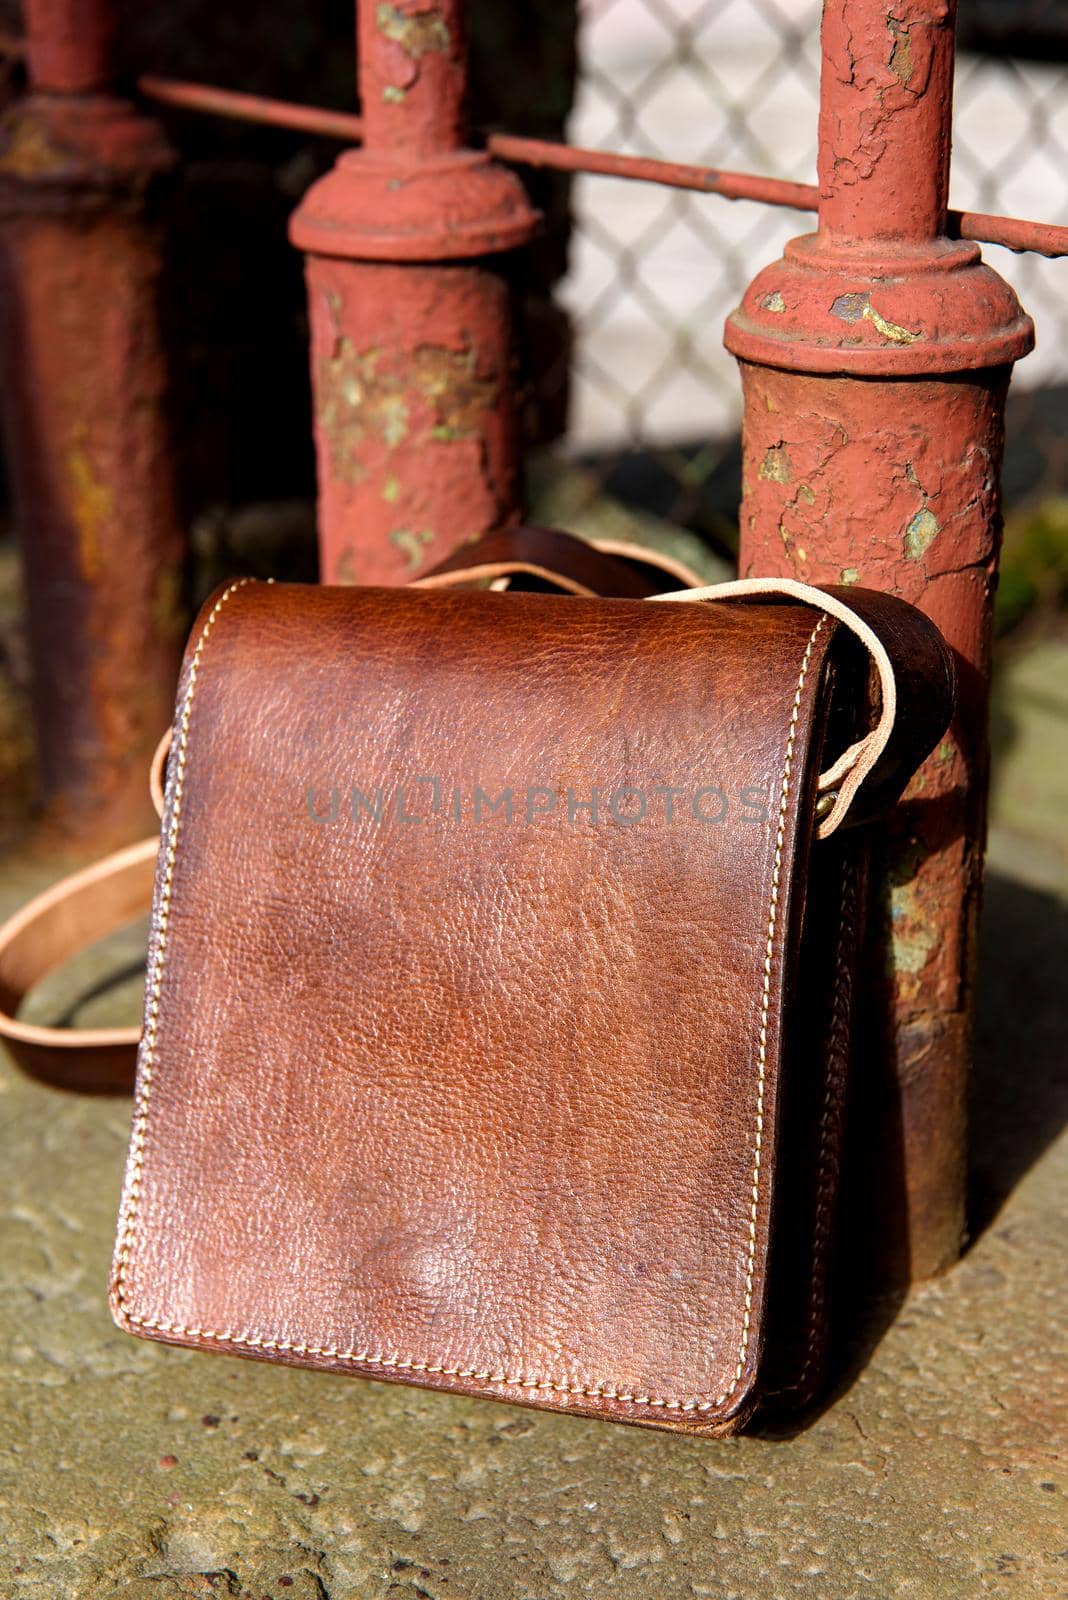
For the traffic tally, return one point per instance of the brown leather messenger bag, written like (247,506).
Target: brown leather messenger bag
(498,1004)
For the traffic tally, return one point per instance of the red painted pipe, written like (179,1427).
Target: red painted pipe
(68,44)
(884,124)
(413,77)
(241,107)
(1013,233)
(411,322)
(82,386)
(875,359)
(647,169)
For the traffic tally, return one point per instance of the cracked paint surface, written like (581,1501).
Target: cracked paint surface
(892,71)
(828,474)
(895,486)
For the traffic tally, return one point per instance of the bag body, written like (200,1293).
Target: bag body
(497,1016)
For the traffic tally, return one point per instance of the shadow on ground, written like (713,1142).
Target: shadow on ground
(1019,1099)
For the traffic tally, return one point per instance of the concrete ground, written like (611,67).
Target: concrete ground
(134,1470)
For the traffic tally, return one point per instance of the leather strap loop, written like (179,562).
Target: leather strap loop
(849,771)
(157,772)
(68,917)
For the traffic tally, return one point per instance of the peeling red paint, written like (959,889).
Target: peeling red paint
(846,466)
(414,428)
(889,78)
(412,74)
(412,358)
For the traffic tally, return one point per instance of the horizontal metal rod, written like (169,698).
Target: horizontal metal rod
(1040,238)
(251,108)
(646,169)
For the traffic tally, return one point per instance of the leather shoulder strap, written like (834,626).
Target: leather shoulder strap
(607,568)
(73,914)
(47,932)
(916,689)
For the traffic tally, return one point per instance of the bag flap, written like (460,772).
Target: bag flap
(471,1091)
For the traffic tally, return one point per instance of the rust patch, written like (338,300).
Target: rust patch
(901,53)
(356,402)
(915,932)
(412,544)
(359,400)
(912,57)
(169,620)
(91,504)
(891,330)
(858,308)
(920,533)
(776,466)
(459,398)
(850,307)
(418,33)
(30,151)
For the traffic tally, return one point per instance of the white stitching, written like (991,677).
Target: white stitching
(131,1194)
(369,1357)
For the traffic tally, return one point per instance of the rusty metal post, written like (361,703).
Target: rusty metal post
(411,325)
(82,377)
(875,358)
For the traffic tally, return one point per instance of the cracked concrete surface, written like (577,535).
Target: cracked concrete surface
(134,1470)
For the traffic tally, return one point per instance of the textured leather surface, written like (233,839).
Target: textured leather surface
(488,1105)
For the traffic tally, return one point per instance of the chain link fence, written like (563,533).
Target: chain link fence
(655,399)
